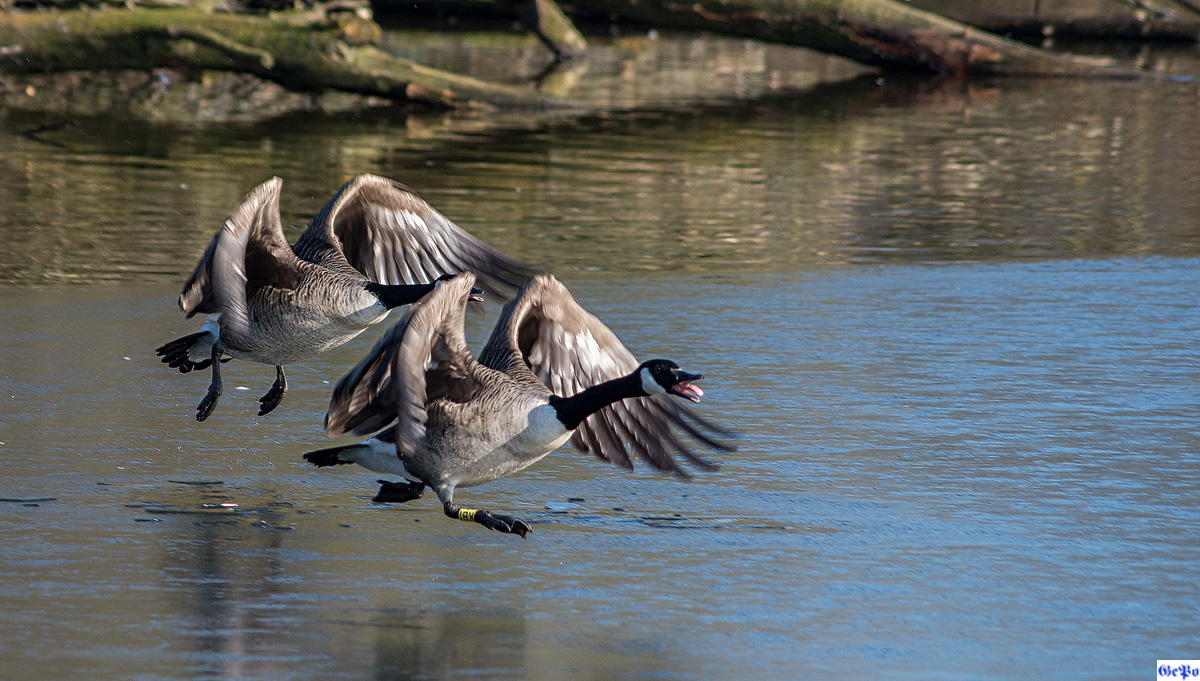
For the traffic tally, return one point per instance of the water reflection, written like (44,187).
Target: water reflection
(256,588)
(642,70)
(850,172)
(423,645)
(242,607)
(220,566)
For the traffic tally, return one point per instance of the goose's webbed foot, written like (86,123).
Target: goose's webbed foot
(398,492)
(275,395)
(492,521)
(215,388)
(206,406)
(503,523)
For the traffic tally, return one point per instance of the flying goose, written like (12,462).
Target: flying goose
(551,372)
(376,245)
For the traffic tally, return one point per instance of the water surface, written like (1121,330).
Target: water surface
(955,326)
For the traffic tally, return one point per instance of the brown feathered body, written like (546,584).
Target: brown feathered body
(374,245)
(547,367)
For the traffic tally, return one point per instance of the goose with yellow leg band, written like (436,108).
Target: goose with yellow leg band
(550,373)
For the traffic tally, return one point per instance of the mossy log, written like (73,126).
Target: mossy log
(883,33)
(295,50)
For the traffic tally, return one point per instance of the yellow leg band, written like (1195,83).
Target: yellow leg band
(467,514)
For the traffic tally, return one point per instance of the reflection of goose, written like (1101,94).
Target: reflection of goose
(462,422)
(374,246)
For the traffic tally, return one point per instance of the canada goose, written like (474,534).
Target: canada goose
(550,372)
(375,245)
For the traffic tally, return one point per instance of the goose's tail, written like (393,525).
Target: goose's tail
(193,351)
(331,456)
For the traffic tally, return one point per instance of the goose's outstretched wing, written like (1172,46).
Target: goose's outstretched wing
(424,355)
(544,330)
(248,252)
(389,234)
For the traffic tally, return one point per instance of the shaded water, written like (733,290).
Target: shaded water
(956,327)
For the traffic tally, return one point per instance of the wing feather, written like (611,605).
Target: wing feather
(425,352)
(386,232)
(253,231)
(544,334)
(197,294)
(249,254)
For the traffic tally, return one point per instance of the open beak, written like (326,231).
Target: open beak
(684,388)
(476,295)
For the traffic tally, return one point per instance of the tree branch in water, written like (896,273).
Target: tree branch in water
(296,52)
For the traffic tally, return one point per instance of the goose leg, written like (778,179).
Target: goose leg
(398,492)
(206,406)
(492,521)
(275,395)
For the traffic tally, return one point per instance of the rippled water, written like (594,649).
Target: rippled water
(956,327)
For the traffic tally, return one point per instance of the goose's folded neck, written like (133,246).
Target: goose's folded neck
(574,409)
(395,295)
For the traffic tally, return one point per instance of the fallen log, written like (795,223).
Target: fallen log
(1093,28)
(300,51)
(315,52)
(882,33)
(1131,24)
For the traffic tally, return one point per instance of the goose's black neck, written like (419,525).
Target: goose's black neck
(395,295)
(574,409)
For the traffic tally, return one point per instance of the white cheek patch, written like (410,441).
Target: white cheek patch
(649,384)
